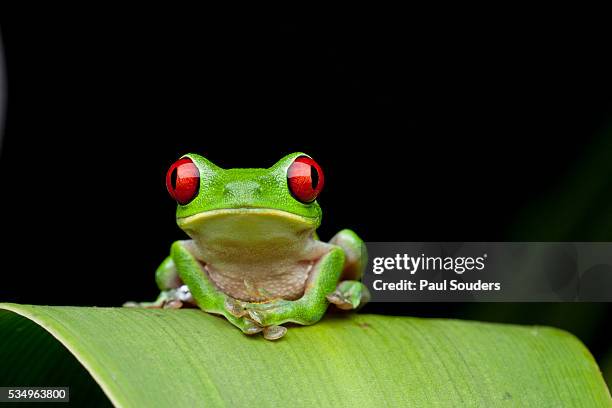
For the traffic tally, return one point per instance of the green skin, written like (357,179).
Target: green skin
(254,256)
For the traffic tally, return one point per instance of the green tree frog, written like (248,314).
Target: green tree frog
(254,256)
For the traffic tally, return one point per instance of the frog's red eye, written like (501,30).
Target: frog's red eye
(183,180)
(305,179)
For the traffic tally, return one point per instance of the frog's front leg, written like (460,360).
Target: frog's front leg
(311,307)
(206,295)
(350,293)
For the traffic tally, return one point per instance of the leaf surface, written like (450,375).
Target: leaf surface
(164,358)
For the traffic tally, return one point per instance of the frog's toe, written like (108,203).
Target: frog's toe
(258,316)
(340,301)
(173,304)
(349,295)
(274,332)
(268,318)
(234,307)
(272,313)
(183,294)
(246,325)
(167,299)
(250,327)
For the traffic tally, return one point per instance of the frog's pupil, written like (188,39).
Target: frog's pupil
(173,178)
(314,175)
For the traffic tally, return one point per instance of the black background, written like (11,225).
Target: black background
(425,134)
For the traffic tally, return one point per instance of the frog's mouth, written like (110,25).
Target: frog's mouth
(238,224)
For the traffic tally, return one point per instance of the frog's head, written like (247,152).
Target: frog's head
(233,204)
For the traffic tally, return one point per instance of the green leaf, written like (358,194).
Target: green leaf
(180,358)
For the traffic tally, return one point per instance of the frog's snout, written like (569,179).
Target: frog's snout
(242,191)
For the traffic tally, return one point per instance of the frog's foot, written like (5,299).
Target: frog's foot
(249,321)
(349,295)
(274,332)
(167,299)
(271,315)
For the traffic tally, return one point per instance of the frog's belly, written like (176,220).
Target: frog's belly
(255,254)
(262,270)
(261,282)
